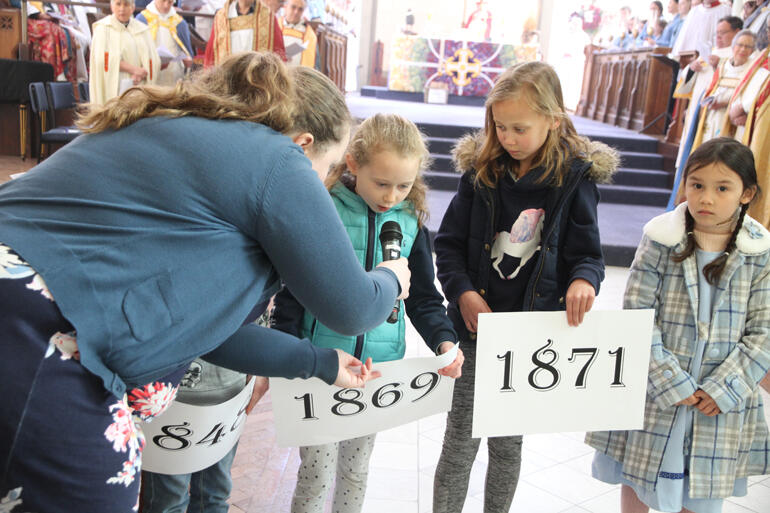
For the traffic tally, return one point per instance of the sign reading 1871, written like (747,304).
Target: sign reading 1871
(536,374)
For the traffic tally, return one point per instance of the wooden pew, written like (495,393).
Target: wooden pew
(629,89)
(332,48)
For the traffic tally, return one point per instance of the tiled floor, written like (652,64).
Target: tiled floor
(555,475)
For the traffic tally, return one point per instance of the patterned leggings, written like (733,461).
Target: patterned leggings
(66,442)
(349,460)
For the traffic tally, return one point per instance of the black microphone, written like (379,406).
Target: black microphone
(390,239)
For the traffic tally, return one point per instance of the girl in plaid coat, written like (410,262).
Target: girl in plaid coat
(705,269)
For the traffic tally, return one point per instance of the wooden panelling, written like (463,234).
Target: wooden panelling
(10,32)
(629,89)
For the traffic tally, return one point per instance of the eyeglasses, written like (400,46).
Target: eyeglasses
(745,47)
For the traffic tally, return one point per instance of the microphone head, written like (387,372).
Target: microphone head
(390,231)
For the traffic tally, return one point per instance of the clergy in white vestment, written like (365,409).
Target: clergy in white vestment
(713,117)
(757,137)
(169,31)
(696,76)
(297,32)
(713,120)
(699,28)
(744,96)
(757,19)
(123,54)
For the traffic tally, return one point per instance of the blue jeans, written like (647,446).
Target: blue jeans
(209,489)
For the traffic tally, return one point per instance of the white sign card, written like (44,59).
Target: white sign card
(310,412)
(536,374)
(186,438)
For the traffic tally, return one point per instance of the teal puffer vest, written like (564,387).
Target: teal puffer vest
(386,341)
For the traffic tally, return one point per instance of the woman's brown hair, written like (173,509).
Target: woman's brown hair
(388,132)
(320,108)
(538,84)
(251,86)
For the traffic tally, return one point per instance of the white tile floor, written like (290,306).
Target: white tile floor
(555,474)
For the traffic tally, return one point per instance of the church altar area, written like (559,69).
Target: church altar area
(457,45)
(468,68)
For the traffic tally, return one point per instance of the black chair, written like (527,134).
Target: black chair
(61,95)
(83,92)
(44,109)
(14,89)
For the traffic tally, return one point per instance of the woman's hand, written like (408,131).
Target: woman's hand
(261,384)
(580,299)
(454,369)
(706,404)
(187,63)
(401,268)
(349,375)
(471,305)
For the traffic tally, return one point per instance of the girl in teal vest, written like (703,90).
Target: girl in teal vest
(378,181)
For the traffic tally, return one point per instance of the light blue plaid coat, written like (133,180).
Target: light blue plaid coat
(734,443)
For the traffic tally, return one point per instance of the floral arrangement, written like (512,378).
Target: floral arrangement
(592,18)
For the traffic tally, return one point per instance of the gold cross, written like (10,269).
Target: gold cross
(463,67)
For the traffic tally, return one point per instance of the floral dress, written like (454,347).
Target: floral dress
(38,349)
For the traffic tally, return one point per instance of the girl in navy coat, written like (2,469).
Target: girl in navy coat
(521,234)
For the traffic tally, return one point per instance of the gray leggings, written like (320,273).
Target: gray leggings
(454,466)
(348,460)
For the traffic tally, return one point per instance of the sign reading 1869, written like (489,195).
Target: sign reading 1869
(310,412)
(536,374)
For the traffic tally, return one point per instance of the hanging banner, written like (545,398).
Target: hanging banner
(537,374)
(186,438)
(310,412)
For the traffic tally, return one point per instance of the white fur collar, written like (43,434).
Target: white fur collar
(668,229)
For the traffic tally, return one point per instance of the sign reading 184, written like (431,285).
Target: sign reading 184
(545,376)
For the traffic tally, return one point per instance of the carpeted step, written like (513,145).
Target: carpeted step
(634,186)
(643,177)
(634,195)
(445,144)
(639,160)
(442,131)
(441,145)
(634,144)
(442,180)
